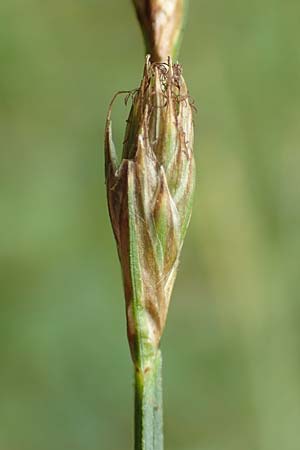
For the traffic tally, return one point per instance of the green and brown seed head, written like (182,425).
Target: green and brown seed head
(150,198)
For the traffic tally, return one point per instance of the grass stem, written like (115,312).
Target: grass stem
(148,407)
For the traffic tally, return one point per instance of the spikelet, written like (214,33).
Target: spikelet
(150,199)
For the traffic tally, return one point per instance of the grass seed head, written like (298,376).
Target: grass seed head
(150,198)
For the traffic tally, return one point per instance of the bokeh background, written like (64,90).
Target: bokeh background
(232,343)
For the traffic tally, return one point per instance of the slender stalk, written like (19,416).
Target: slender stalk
(148,407)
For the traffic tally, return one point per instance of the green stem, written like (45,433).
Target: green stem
(148,407)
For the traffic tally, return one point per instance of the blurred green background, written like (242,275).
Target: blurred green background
(232,343)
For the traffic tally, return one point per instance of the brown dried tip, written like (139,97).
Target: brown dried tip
(161,22)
